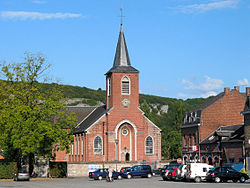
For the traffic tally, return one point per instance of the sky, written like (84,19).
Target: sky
(182,48)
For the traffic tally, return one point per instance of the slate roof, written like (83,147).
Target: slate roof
(80,112)
(233,133)
(122,61)
(91,118)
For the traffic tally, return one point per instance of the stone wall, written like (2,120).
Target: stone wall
(82,169)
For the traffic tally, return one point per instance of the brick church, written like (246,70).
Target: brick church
(117,131)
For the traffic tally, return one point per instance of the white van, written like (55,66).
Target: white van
(197,171)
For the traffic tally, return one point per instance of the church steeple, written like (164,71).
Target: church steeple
(122,60)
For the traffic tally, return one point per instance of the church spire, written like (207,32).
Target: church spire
(122,61)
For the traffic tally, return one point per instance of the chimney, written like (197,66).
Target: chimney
(226,90)
(237,88)
(247,91)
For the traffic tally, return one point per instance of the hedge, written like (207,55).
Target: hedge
(7,170)
(58,169)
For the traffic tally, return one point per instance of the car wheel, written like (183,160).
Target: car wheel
(197,179)
(164,179)
(242,179)
(235,180)
(149,175)
(99,177)
(119,177)
(129,176)
(217,180)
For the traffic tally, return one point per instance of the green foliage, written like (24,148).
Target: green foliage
(58,170)
(7,170)
(27,113)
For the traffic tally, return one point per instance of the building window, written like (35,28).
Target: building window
(149,145)
(98,146)
(109,86)
(125,86)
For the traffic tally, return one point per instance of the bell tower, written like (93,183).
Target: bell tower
(122,80)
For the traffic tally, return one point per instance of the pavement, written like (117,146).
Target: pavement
(85,182)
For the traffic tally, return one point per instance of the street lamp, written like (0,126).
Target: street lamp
(116,151)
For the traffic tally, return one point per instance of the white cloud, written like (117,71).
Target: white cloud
(243,82)
(22,15)
(204,7)
(201,87)
(39,2)
(208,85)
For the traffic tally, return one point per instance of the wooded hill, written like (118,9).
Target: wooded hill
(167,113)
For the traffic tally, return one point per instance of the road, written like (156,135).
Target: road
(125,183)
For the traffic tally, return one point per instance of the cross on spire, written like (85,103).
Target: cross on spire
(121,16)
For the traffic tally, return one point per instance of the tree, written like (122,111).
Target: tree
(32,122)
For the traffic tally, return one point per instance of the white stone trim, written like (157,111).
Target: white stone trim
(135,129)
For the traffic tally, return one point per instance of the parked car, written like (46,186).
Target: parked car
(164,174)
(139,170)
(22,174)
(197,171)
(163,169)
(182,172)
(172,175)
(102,173)
(223,174)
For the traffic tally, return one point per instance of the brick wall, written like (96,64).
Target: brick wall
(225,111)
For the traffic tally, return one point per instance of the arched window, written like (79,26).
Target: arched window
(149,145)
(125,86)
(98,146)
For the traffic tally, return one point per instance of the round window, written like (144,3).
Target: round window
(124,132)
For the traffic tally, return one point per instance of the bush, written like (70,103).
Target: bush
(58,169)
(7,170)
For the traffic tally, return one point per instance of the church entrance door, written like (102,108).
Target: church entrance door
(127,157)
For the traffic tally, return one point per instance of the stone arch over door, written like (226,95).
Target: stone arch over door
(126,139)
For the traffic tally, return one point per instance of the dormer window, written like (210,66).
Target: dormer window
(125,86)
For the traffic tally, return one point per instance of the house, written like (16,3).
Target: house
(117,131)
(220,111)
(224,146)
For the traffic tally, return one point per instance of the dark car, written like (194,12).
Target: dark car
(22,174)
(162,170)
(102,173)
(223,174)
(164,174)
(139,170)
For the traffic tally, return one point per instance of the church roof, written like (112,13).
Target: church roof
(87,116)
(122,62)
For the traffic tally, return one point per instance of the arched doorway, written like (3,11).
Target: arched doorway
(127,157)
